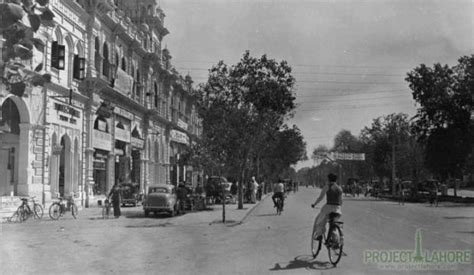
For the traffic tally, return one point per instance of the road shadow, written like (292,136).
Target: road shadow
(458,217)
(304,261)
(465,232)
(362,199)
(266,215)
(453,205)
(149,225)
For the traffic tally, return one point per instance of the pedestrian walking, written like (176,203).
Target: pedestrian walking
(434,194)
(253,189)
(259,191)
(116,197)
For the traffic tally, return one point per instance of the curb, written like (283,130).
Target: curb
(251,209)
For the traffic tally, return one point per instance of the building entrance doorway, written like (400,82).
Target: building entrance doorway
(9,144)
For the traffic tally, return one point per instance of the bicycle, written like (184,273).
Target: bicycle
(59,208)
(333,240)
(106,209)
(279,205)
(24,211)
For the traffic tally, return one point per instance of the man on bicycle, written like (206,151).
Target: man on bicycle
(333,204)
(278,192)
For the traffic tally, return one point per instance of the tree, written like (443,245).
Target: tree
(443,119)
(241,107)
(286,149)
(389,147)
(19,20)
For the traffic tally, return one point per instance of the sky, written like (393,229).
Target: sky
(349,58)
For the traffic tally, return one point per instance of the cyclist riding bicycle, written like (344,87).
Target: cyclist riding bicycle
(278,192)
(333,204)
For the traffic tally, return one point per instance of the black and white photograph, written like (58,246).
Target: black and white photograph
(236,137)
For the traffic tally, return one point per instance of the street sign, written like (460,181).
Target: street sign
(348,156)
(332,156)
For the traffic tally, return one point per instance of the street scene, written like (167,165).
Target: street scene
(236,137)
(264,243)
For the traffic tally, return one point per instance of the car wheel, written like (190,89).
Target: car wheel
(173,212)
(147,213)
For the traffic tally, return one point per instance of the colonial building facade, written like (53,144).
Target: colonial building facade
(116,111)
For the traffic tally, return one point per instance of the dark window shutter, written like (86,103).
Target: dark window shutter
(58,55)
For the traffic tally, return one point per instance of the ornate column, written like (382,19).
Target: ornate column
(24,161)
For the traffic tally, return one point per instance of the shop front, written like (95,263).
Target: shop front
(122,149)
(137,162)
(102,156)
(178,145)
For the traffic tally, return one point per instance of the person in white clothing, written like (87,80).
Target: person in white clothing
(333,193)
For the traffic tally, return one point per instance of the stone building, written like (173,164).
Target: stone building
(116,110)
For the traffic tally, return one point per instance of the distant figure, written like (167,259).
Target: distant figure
(253,189)
(259,191)
(278,192)
(116,198)
(401,193)
(181,194)
(198,190)
(434,194)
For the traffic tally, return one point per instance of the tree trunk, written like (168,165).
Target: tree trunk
(241,185)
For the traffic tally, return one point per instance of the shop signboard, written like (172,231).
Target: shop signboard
(182,124)
(179,137)
(122,135)
(123,113)
(137,142)
(123,82)
(102,140)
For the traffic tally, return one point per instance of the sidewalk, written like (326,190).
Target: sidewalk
(213,214)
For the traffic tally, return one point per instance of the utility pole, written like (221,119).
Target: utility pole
(394,171)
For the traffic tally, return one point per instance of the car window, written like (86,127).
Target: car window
(158,190)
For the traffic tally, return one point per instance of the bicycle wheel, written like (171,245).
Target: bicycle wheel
(315,245)
(38,211)
(279,207)
(105,212)
(15,217)
(22,213)
(55,211)
(335,244)
(74,211)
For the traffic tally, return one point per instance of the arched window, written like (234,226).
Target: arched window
(79,62)
(156,94)
(124,64)
(117,61)
(101,124)
(97,57)
(106,63)
(139,86)
(136,133)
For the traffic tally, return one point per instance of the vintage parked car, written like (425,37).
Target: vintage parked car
(130,194)
(161,198)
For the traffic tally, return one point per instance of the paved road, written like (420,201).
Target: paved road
(281,242)
(263,244)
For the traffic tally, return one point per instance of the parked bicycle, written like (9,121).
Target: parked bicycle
(24,211)
(106,209)
(333,240)
(59,208)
